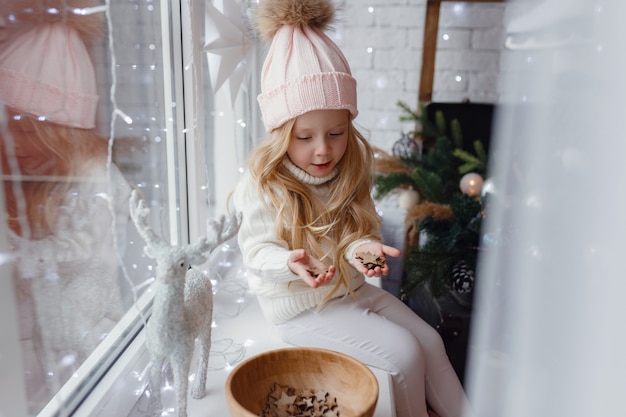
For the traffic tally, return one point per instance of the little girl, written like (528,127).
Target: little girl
(310,231)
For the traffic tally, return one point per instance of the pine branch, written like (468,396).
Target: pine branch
(440,161)
(430,132)
(456,133)
(384,184)
(440,123)
(409,115)
(465,208)
(479,148)
(473,163)
(430,268)
(429,184)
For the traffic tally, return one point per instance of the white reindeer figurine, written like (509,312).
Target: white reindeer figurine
(183,305)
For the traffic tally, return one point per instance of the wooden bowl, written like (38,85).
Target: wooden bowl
(350,381)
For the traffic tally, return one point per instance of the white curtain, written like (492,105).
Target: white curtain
(548,334)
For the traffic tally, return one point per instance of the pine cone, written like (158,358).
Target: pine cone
(462,278)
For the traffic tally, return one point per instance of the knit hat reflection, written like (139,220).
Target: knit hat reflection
(47,72)
(304,70)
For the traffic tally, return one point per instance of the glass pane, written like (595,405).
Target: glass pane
(87,115)
(225,53)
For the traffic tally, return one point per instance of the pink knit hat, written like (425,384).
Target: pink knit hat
(304,69)
(47,72)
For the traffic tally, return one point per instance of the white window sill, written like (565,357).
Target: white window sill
(119,393)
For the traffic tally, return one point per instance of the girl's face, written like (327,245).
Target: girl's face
(318,141)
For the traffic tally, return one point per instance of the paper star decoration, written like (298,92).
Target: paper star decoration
(228,44)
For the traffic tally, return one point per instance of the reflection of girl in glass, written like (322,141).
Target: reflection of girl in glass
(60,194)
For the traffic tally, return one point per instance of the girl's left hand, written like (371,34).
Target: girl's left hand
(370,258)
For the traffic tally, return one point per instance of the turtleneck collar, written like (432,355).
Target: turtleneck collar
(307,178)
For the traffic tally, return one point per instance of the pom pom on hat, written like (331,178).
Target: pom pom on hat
(304,69)
(274,14)
(46,71)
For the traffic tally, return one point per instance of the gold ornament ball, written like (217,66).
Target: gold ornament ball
(471,184)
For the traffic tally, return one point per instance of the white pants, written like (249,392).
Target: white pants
(381,331)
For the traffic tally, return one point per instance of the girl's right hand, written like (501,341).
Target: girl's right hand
(307,268)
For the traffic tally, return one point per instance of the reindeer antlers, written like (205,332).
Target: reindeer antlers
(222,230)
(139,213)
(219,231)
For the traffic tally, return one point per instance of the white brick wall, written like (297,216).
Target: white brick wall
(382,40)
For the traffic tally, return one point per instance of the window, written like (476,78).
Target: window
(164,131)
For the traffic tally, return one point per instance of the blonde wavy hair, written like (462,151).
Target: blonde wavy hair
(72,152)
(325,230)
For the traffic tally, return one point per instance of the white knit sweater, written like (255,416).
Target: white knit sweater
(282,294)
